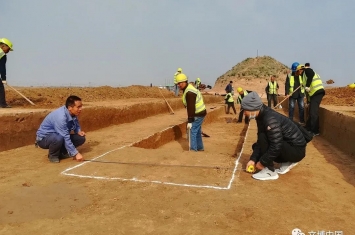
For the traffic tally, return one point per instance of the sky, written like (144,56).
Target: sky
(131,42)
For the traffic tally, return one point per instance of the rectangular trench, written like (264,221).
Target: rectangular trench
(19,129)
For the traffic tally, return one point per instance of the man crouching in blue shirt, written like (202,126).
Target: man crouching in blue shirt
(60,131)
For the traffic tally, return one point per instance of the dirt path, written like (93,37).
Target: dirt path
(316,195)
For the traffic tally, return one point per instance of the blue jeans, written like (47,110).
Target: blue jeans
(177,89)
(195,134)
(291,109)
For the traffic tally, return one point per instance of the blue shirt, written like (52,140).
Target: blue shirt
(60,121)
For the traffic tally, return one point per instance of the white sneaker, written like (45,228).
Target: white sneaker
(286,167)
(265,174)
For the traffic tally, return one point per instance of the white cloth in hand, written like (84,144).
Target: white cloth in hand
(189,125)
(307,89)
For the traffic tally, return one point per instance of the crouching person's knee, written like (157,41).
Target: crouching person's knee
(81,140)
(77,140)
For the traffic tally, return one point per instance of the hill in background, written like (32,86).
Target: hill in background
(253,74)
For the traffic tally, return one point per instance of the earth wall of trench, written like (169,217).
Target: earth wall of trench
(19,129)
(336,126)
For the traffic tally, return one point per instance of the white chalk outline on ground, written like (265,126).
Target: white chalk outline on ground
(154,181)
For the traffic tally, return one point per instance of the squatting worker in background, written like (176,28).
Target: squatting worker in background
(61,133)
(314,87)
(279,140)
(242,94)
(176,87)
(196,111)
(5,47)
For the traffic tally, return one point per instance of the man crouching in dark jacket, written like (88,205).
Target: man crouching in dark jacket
(279,140)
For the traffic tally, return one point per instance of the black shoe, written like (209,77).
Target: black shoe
(6,106)
(64,156)
(53,159)
(315,134)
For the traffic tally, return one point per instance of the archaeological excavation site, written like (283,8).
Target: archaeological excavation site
(138,169)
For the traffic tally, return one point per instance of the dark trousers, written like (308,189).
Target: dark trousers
(313,117)
(241,113)
(271,97)
(2,95)
(288,152)
(231,104)
(55,143)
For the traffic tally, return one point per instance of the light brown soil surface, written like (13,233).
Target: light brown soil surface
(165,189)
(54,97)
(341,96)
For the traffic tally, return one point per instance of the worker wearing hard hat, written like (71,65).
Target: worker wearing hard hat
(176,87)
(242,94)
(5,47)
(293,81)
(315,89)
(196,111)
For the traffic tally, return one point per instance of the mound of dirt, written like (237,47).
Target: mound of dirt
(251,68)
(51,97)
(340,96)
(253,74)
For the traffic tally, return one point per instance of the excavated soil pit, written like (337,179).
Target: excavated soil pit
(163,157)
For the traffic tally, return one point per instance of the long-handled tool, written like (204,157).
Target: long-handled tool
(287,97)
(172,111)
(21,94)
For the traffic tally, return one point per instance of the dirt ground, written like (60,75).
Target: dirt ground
(158,187)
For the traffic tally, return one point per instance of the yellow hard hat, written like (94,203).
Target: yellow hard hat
(239,89)
(299,67)
(7,42)
(179,70)
(181,78)
(352,86)
(198,79)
